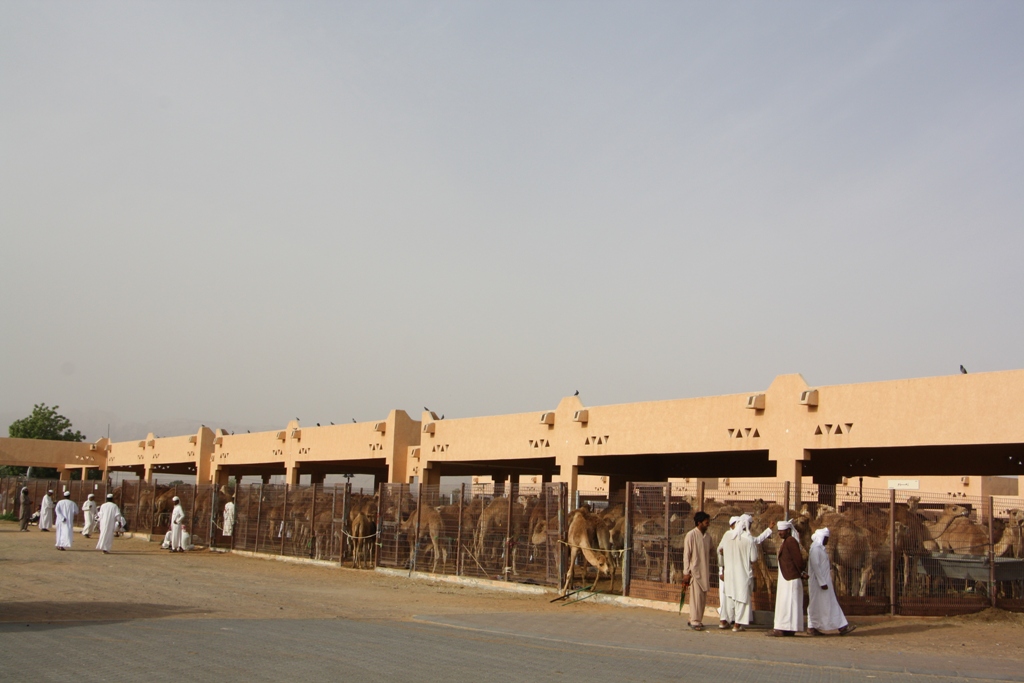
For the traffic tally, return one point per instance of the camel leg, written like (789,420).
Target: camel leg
(568,574)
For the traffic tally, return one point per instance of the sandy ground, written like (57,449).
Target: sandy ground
(140,581)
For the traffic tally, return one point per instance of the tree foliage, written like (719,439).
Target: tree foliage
(44,423)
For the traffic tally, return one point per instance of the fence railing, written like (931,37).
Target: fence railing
(900,552)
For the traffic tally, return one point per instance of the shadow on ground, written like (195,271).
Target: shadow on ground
(15,616)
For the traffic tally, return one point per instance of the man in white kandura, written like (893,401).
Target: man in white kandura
(739,552)
(89,511)
(46,512)
(789,593)
(65,512)
(229,518)
(725,614)
(109,519)
(177,526)
(823,610)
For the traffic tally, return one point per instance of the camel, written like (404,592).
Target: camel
(363,528)
(1009,543)
(582,538)
(430,525)
(934,540)
(492,525)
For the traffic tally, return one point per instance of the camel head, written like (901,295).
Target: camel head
(824,509)
(759,506)
(954,510)
(805,511)
(912,503)
(1016,517)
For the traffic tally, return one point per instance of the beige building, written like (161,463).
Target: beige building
(961,434)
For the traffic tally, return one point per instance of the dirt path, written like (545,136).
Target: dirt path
(140,581)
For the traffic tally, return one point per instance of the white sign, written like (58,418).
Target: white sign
(905,484)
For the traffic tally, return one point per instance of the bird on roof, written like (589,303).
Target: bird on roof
(577,393)
(442,417)
(963,370)
(332,423)
(317,424)
(426,409)
(353,419)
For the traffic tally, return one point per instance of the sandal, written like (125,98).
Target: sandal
(696,627)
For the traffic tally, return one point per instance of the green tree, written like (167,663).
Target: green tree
(44,423)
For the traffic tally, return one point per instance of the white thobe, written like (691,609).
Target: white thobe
(229,518)
(823,610)
(89,511)
(65,512)
(738,552)
(789,605)
(109,519)
(46,513)
(177,526)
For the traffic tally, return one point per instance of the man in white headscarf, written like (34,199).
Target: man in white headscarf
(738,553)
(110,520)
(725,612)
(89,512)
(46,512)
(177,526)
(25,511)
(789,594)
(229,517)
(823,610)
(65,512)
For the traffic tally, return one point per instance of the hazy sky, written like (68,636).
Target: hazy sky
(242,213)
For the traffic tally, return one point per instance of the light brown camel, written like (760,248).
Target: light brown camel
(492,528)
(431,526)
(582,538)
(934,540)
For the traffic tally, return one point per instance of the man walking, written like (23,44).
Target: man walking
(89,512)
(823,610)
(177,526)
(25,513)
(696,567)
(109,519)
(725,614)
(46,512)
(65,512)
(789,595)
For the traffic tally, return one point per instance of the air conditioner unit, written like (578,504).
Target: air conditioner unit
(581,416)
(965,481)
(218,441)
(280,436)
(809,397)
(380,426)
(725,481)
(92,447)
(429,428)
(755,401)
(297,434)
(547,418)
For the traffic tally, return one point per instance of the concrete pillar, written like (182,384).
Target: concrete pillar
(221,477)
(432,476)
(266,478)
(616,486)
(292,475)
(148,473)
(570,475)
(791,470)
(65,475)
(546,478)
(317,477)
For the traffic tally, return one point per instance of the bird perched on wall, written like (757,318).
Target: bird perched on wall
(426,409)
(317,424)
(247,431)
(963,370)
(577,393)
(353,419)
(442,417)
(332,423)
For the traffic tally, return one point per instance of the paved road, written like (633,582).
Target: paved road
(492,647)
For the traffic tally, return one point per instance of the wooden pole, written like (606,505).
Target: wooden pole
(508,532)
(312,524)
(991,551)
(892,552)
(284,516)
(627,541)
(785,499)
(667,492)
(259,509)
(458,539)
(414,546)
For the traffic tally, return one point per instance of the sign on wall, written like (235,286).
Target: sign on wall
(905,484)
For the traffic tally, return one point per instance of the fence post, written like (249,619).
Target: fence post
(892,552)
(991,551)
(138,504)
(700,494)
(284,516)
(563,550)
(508,531)
(414,547)
(259,509)
(458,538)
(378,544)
(345,503)
(627,545)
(312,524)
(785,498)
(667,491)
(192,514)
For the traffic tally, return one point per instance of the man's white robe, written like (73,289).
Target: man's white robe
(823,610)
(89,511)
(46,513)
(65,512)
(739,550)
(177,526)
(229,518)
(110,519)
